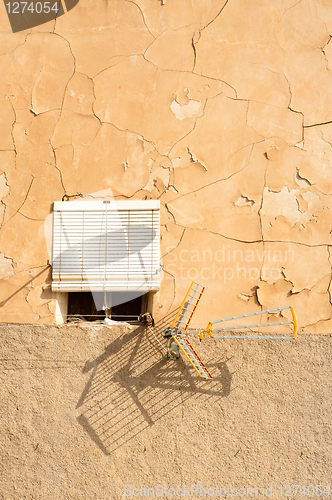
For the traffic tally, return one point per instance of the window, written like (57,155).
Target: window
(90,306)
(106,246)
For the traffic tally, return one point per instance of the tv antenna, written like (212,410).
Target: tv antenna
(178,333)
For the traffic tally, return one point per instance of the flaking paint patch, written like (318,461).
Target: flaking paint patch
(285,203)
(243,200)
(189,110)
(160,173)
(6,266)
(4,191)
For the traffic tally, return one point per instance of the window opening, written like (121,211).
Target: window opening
(118,306)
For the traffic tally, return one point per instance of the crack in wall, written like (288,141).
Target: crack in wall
(193,43)
(126,56)
(150,45)
(329,287)
(174,292)
(58,169)
(219,80)
(223,178)
(142,14)
(13,124)
(18,210)
(194,159)
(95,98)
(259,212)
(6,266)
(317,124)
(171,214)
(216,17)
(4,192)
(127,130)
(179,242)
(289,8)
(325,57)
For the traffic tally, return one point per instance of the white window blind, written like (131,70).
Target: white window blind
(111,246)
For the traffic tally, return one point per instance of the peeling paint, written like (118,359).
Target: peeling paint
(194,159)
(243,200)
(285,203)
(160,175)
(186,110)
(6,267)
(178,103)
(301,181)
(4,191)
(244,297)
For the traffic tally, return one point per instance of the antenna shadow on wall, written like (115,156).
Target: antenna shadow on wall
(133,384)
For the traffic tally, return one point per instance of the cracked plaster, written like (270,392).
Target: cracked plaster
(100,34)
(212,259)
(4,191)
(175,15)
(164,50)
(6,267)
(46,64)
(7,118)
(271,121)
(221,110)
(186,110)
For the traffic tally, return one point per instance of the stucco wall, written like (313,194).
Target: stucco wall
(221,109)
(88,410)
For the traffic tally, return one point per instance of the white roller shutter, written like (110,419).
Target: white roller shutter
(111,246)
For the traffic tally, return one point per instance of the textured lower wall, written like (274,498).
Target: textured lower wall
(222,110)
(87,411)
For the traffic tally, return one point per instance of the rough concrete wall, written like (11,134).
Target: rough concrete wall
(221,109)
(86,411)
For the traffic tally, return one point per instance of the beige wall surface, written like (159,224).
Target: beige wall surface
(220,109)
